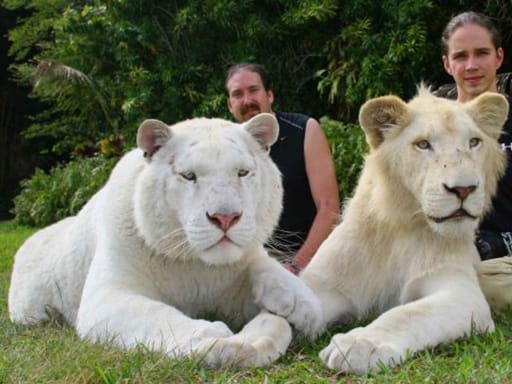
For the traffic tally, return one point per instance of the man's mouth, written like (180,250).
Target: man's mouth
(251,109)
(474,79)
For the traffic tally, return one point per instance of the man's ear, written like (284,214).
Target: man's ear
(270,96)
(228,103)
(446,63)
(500,55)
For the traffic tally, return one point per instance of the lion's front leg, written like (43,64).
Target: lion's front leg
(448,307)
(279,291)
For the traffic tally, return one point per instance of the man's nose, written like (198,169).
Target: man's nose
(247,99)
(472,62)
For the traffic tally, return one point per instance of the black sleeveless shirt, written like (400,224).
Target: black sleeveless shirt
(500,218)
(299,209)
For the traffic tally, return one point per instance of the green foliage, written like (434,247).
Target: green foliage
(102,67)
(381,47)
(47,198)
(348,147)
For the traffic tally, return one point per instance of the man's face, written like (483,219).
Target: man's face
(472,60)
(246,95)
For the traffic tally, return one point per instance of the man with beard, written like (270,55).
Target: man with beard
(302,154)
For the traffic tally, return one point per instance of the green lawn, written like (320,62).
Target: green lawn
(53,354)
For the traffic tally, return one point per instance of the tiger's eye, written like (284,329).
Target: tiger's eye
(190,176)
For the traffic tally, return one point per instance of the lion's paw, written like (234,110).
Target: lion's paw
(358,354)
(196,334)
(286,295)
(235,352)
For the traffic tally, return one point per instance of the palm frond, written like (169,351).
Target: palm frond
(53,70)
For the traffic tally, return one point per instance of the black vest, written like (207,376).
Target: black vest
(299,209)
(500,218)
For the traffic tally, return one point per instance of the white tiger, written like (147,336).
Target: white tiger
(170,252)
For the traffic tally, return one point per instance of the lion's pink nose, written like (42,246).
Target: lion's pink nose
(461,192)
(224,222)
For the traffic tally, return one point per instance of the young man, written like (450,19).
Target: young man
(302,154)
(472,54)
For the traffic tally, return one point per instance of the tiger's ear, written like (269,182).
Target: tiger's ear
(151,136)
(264,128)
(380,115)
(489,111)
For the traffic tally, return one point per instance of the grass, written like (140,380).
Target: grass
(52,353)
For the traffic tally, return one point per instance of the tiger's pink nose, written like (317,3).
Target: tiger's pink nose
(222,221)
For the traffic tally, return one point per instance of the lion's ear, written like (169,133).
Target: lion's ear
(152,135)
(264,128)
(380,115)
(489,111)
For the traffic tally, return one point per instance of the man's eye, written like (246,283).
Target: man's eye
(459,57)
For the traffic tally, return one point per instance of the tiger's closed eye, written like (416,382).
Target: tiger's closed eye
(190,176)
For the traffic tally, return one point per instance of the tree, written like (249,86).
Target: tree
(102,67)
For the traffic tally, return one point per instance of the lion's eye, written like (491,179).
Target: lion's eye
(190,176)
(474,142)
(243,172)
(423,145)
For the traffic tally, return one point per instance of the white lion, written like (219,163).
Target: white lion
(169,253)
(405,246)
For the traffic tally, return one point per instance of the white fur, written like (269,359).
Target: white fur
(169,253)
(391,254)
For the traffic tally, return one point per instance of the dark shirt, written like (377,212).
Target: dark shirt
(500,218)
(299,209)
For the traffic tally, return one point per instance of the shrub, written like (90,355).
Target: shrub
(348,146)
(48,197)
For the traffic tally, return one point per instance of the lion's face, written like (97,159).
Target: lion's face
(210,190)
(443,155)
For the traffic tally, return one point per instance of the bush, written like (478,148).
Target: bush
(348,146)
(47,198)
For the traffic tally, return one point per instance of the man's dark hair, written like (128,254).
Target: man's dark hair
(251,67)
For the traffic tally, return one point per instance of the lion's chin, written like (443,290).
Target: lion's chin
(458,226)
